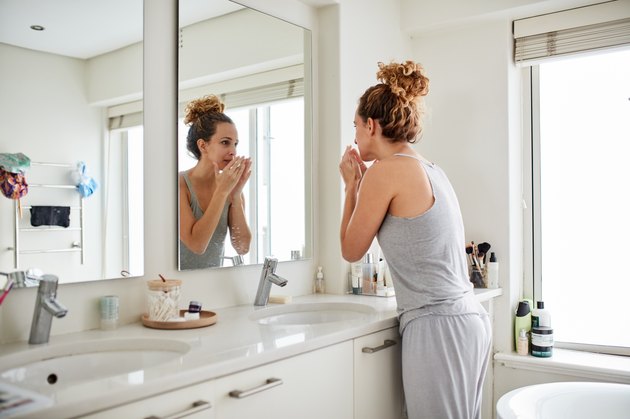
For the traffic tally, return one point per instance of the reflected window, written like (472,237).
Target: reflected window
(124,202)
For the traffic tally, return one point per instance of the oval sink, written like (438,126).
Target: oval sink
(50,367)
(311,313)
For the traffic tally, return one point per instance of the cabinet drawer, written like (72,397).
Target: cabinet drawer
(314,385)
(193,402)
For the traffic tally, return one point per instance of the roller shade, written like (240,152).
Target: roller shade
(586,29)
(279,91)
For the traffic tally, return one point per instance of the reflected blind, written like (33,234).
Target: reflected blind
(259,95)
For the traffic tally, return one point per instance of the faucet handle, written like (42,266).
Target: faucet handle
(270,263)
(48,284)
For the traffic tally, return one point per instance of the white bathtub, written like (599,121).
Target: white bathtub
(571,400)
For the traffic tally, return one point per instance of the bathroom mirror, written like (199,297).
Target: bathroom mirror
(71,83)
(260,66)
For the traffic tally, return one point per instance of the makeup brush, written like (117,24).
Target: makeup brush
(483,250)
(469,251)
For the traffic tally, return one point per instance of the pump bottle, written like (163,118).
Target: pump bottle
(319,282)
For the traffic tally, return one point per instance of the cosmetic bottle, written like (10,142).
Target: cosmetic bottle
(492,271)
(369,274)
(319,281)
(522,320)
(522,344)
(542,341)
(380,278)
(540,316)
(356,273)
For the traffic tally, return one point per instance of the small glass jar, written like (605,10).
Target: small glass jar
(163,299)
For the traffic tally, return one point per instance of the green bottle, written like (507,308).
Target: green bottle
(522,320)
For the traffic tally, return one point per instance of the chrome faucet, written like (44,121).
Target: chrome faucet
(267,278)
(46,306)
(236,260)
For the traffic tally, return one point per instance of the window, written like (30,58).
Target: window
(580,170)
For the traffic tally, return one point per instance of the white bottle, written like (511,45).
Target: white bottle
(540,316)
(492,269)
(319,281)
(380,278)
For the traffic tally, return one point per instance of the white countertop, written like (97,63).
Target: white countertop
(233,344)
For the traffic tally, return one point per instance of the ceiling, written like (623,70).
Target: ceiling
(87,28)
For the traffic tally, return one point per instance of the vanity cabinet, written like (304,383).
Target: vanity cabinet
(192,402)
(378,391)
(313,385)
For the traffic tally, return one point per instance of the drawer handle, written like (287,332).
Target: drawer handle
(198,406)
(386,344)
(270,383)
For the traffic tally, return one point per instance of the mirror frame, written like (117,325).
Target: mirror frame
(306,62)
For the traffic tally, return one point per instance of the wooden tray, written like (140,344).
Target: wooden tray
(206,318)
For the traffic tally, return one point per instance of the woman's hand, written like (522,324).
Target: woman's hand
(351,167)
(246,164)
(232,179)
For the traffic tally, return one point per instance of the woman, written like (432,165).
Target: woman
(409,204)
(211,193)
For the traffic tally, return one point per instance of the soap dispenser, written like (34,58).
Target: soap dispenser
(319,281)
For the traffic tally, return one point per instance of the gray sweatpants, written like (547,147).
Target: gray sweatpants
(444,362)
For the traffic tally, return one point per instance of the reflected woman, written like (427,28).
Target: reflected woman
(211,196)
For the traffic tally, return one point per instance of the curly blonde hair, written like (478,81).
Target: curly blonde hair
(203,115)
(396,101)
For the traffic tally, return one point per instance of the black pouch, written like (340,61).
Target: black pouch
(50,216)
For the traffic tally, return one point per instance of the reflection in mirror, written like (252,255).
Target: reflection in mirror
(71,83)
(262,75)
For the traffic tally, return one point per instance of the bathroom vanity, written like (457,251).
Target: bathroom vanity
(321,356)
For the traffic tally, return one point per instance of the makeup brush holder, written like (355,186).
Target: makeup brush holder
(476,277)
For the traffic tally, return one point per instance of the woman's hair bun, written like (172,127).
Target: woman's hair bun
(406,80)
(204,105)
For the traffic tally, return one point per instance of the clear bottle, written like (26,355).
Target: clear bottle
(320,287)
(369,274)
(522,345)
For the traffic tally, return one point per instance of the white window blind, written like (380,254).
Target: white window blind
(591,28)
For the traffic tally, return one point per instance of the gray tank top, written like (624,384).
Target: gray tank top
(427,257)
(213,256)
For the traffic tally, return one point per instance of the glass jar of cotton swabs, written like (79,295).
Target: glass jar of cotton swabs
(163,299)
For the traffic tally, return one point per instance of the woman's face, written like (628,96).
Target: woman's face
(222,145)
(361,136)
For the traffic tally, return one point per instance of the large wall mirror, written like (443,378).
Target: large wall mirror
(71,83)
(260,67)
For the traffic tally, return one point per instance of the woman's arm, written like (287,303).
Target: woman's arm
(240,235)
(366,203)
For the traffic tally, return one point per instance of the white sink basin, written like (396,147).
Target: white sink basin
(311,313)
(50,367)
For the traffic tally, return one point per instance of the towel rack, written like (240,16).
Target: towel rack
(76,246)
